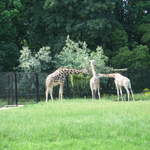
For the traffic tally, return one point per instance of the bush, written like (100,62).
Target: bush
(146,91)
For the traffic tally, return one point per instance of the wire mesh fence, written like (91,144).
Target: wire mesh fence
(20,87)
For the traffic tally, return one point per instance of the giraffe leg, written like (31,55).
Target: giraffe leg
(92,94)
(92,91)
(99,96)
(132,94)
(117,91)
(61,91)
(51,93)
(127,92)
(46,93)
(120,89)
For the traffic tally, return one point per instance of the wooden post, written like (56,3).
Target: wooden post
(37,87)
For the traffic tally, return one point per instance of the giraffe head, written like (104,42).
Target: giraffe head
(93,62)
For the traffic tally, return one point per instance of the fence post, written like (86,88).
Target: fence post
(11,89)
(16,91)
(9,95)
(37,87)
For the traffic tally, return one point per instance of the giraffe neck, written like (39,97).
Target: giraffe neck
(108,75)
(67,71)
(93,70)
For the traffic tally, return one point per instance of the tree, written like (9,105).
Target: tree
(116,39)
(138,63)
(11,33)
(83,20)
(77,55)
(9,54)
(138,58)
(143,33)
(131,14)
(34,63)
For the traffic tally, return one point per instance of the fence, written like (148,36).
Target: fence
(19,87)
(16,86)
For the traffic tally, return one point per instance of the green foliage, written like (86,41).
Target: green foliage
(12,30)
(144,33)
(10,21)
(119,38)
(78,55)
(116,39)
(146,91)
(78,83)
(138,58)
(37,62)
(115,25)
(83,20)
(100,59)
(73,55)
(138,63)
(9,54)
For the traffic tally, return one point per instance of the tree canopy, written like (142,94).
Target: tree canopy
(78,55)
(120,27)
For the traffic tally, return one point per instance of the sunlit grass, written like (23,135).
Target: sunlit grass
(77,125)
(104,97)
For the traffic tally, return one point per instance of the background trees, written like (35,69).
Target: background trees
(121,27)
(78,55)
(11,33)
(34,62)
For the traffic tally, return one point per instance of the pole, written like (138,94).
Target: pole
(16,91)
(37,87)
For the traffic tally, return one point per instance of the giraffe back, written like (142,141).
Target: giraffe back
(122,80)
(59,76)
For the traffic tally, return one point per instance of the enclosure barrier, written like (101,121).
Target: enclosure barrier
(15,86)
(22,87)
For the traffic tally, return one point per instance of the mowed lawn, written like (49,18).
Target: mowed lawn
(77,125)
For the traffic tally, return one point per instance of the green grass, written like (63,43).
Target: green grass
(3,102)
(77,125)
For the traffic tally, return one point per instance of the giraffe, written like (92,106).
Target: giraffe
(58,78)
(94,81)
(120,82)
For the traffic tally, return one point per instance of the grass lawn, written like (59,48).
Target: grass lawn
(77,125)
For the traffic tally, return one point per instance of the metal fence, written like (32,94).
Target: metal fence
(21,87)
(15,86)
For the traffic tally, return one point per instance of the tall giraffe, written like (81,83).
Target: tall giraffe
(120,82)
(94,81)
(58,78)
